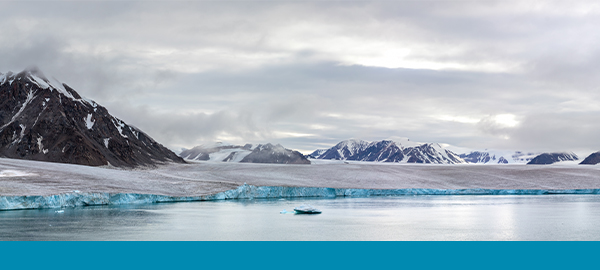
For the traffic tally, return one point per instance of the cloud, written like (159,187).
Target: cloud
(499,125)
(551,131)
(307,74)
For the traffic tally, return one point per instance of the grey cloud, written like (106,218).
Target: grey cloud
(177,130)
(489,126)
(558,132)
(187,72)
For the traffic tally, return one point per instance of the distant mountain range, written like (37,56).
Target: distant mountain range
(262,153)
(46,120)
(483,158)
(433,153)
(517,157)
(388,151)
(507,157)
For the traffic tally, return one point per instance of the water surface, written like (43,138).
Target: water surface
(547,217)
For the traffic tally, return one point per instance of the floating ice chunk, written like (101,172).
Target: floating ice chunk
(59,211)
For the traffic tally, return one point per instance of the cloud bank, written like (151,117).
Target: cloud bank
(309,74)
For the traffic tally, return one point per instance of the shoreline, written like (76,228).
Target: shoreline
(75,198)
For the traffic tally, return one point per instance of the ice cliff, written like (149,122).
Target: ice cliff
(245,191)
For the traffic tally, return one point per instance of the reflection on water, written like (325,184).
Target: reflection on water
(556,217)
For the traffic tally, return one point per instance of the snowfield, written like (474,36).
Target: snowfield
(14,173)
(24,183)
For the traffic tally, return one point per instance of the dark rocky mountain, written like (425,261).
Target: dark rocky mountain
(592,159)
(46,120)
(388,151)
(263,153)
(483,157)
(549,158)
(268,153)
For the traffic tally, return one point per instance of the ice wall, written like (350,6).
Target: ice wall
(245,191)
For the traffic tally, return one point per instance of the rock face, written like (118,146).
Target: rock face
(263,153)
(388,151)
(592,159)
(268,153)
(46,120)
(549,158)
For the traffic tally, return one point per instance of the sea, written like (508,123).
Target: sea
(396,218)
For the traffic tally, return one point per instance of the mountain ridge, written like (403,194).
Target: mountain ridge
(388,151)
(262,153)
(47,120)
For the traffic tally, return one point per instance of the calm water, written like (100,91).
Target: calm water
(559,217)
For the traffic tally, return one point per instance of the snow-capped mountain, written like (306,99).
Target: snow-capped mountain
(389,151)
(549,158)
(498,157)
(217,152)
(592,159)
(44,119)
(262,153)
(516,157)
(483,158)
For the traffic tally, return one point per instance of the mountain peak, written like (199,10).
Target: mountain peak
(44,119)
(35,71)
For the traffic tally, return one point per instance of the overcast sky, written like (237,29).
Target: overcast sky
(513,75)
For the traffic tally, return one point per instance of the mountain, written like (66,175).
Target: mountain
(389,151)
(592,159)
(46,120)
(498,157)
(263,153)
(483,157)
(217,152)
(549,158)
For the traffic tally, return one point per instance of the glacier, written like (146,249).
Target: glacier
(76,198)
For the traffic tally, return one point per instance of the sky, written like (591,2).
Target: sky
(511,75)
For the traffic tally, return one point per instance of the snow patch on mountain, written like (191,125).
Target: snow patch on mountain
(88,121)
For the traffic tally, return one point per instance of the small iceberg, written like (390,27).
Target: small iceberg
(59,211)
(306,209)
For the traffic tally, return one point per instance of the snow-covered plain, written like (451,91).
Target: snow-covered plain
(83,185)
